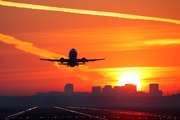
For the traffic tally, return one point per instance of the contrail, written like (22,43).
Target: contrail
(28,47)
(87,12)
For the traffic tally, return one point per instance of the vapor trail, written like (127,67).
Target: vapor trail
(29,47)
(87,12)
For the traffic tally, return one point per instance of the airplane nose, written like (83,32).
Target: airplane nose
(73,53)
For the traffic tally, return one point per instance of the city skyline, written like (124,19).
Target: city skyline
(108,90)
(166,93)
(139,39)
(101,88)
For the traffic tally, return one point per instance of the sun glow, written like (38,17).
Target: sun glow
(130,79)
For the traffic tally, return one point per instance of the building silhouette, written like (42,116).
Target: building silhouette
(153,87)
(127,90)
(96,90)
(50,93)
(68,89)
(130,89)
(154,90)
(117,91)
(141,94)
(107,90)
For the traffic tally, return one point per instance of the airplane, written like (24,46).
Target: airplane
(72,60)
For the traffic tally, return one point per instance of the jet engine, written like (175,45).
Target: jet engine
(62,60)
(83,59)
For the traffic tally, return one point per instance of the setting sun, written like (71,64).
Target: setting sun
(130,79)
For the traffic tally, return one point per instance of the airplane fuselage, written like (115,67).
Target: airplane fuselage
(73,57)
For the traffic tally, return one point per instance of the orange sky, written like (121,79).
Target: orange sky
(148,48)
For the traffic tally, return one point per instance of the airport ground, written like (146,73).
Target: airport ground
(81,113)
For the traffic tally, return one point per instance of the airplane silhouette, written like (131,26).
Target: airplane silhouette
(72,60)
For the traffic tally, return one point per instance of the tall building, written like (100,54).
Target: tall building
(96,90)
(68,88)
(107,90)
(154,90)
(153,87)
(127,90)
(117,91)
(130,89)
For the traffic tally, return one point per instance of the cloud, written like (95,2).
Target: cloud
(144,44)
(161,42)
(87,74)
(87,12)
(28,47)
(145,74)
(80,71)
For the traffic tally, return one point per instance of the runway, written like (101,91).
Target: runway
(82,113)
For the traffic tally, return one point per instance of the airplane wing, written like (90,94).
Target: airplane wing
(56,60)
(87,60)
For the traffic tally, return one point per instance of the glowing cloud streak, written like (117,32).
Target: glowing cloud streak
(162,42)
(137,45)
(144,73)
(28,47)
(87,12)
